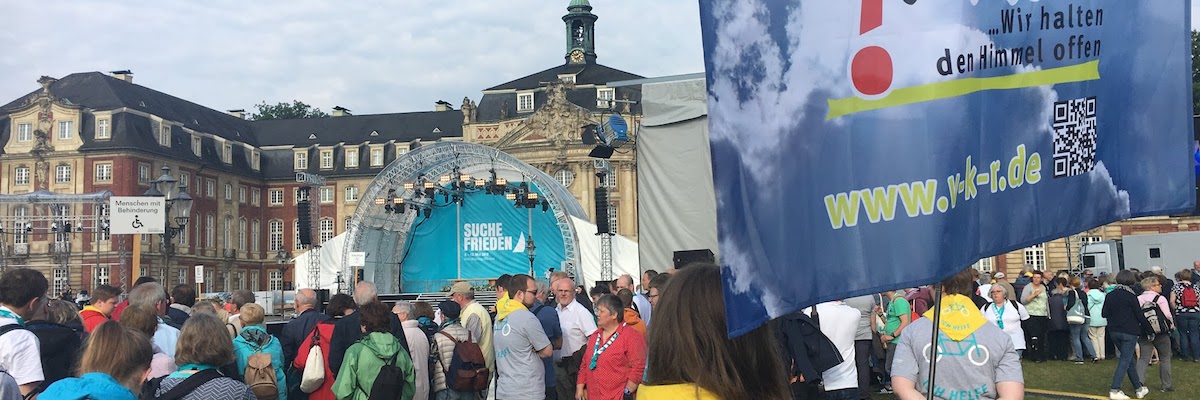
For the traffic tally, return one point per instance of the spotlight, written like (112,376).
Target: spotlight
(409,186)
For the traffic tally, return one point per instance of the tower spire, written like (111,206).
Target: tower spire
(581,33)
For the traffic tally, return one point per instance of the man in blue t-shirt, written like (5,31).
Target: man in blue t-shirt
(548,316)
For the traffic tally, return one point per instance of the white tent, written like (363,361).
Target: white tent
(625,258)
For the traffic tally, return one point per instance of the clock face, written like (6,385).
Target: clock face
(577,55)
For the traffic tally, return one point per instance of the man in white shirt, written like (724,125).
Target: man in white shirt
(153,295)
(640,303)
(22,293)
(577,324)
(839,322)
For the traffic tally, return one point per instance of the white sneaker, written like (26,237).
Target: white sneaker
(1117,395)
(1142,392)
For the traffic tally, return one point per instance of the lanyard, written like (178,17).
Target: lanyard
(9,314)
(999,316)
(597,350)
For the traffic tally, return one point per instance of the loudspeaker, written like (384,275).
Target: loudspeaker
(685,257)
(602,226)
(304,219)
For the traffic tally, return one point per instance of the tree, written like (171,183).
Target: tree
(283,110)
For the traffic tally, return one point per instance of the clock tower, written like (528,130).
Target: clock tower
(581,33)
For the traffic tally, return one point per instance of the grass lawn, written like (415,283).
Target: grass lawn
(1094,379)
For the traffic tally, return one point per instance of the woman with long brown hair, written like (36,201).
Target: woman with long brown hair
(113,366)
(691,357)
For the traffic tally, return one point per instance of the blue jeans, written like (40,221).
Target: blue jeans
(1125,344)
(450,394)
(1080,341)
(1189,335)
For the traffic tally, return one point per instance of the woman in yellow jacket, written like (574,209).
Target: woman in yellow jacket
(691,357)
(365,358)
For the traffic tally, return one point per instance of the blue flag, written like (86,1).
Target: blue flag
(861,146)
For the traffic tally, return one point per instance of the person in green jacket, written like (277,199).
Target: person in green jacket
(365,358)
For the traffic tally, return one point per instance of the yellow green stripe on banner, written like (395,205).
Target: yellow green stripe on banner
(941,90)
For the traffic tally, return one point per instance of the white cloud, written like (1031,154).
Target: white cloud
(371,57)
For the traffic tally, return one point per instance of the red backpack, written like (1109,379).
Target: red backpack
(1188,297)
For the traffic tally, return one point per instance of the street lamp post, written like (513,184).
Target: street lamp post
(282,258)
(179,207)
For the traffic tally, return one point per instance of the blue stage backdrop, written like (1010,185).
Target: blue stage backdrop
(859,146)
(493,236)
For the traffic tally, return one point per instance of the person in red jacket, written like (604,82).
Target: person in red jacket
(104,300)
(339,306)
(116,312)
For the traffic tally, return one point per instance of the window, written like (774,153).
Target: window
(276,280)
(275,235)
(210,231)
(564,177)
(402,149)
(984,265)
(102,275)
(1086,240)
(254,282)
(241,234)
(301,161)
(143,173)
(102,131)
(227,153)
(524,102)
(196,145)
(326,159)
(208,280)
(346,224)
(210,188)
(254,231)
(226,233)
(603,97)
(255,158)
(351,194)
(228,192)
(296,237)
(65,130)
(609,180)
(351,158)
(302,194)
(242,194)
(239,280)
(21,218)
(567,78)
(326,230)
(104,172)
(22,176)
(60,281)
(276,197)
(1155,252)
(164,135)
(181,276)
(326,194)
(183,235)
(1035,257)
(24,132)
(255,194)
(104,235)
(62,174)
(184,179)
(614,209)
(61,217)
(377,157)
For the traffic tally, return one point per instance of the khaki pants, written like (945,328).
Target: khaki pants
(1096,334)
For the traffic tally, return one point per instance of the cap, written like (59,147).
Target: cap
(998,275)
(461,288)
(1156,269)
(450,310)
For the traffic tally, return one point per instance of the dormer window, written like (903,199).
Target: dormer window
(102,130)
(227,153)
(164,135)
(525,102)
(301,160)
(351,157)
(196,145)
(604,97)
(327,159)
(402,149)
(567,78)
(24,132)
(66,130)
(255,159)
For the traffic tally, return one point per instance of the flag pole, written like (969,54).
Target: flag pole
(933,342)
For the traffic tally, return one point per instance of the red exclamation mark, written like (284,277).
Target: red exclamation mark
(871,67)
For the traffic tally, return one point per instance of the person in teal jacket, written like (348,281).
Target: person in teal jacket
(365,358)
(114,365)
(255,339)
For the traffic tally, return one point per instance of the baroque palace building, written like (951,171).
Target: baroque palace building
(92,132)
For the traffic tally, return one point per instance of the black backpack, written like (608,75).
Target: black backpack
(389,384)
(179,391)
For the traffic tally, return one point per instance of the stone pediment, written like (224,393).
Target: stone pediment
(557,121)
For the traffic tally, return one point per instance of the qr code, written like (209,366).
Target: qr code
(1074,136)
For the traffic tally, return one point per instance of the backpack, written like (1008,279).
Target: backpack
(1158,322)
(1188,297)
(260,376)
(468,372)
(11,327)
(389,383)
(314,365)
(180,390)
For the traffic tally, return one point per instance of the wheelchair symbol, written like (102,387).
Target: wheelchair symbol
(137,223)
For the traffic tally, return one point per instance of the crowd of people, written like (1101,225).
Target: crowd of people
(551,339)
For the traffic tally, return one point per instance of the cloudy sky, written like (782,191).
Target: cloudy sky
(368,56)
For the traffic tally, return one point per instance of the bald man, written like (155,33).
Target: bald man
(576,323)
(640,303)
(298,329)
